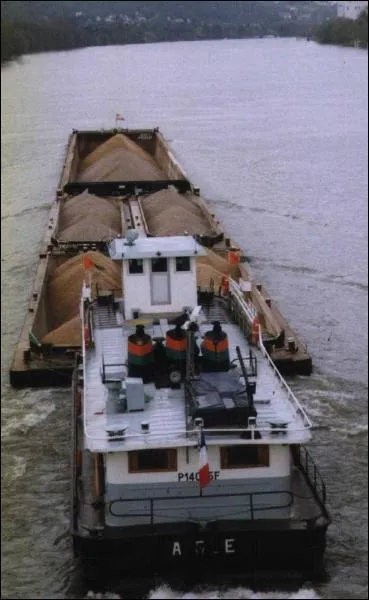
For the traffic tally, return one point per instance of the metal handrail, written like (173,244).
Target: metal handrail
(245,309)
(74,506)
(312,473)
(248,307)
(150,511)
(290,395)
(188,437)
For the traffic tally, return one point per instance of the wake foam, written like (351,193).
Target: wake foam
(165,592)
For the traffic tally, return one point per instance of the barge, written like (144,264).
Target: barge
(189,448)
(111,181)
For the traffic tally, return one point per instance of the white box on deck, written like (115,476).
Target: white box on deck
(135,393)
(245,285)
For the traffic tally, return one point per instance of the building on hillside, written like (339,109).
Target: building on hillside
(351,9)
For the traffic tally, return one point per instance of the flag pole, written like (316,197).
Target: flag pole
(118,117)
(204,472)
(200,437)
(201,432)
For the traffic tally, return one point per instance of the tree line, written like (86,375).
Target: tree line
(27,38)
(344,32)
(19,38)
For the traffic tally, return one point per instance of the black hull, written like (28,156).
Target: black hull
(291,367)
(52,376)
(246,551)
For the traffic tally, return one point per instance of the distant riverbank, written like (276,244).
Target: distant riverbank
(344,32)
(20,37)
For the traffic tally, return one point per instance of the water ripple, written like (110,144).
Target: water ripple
(26,211)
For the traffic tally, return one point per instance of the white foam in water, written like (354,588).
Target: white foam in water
(24,422)
(339,395)
(103,595)
(18,467)
(164,592)
(358,430)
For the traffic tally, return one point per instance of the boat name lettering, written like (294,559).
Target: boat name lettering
(213,475)
(200,547)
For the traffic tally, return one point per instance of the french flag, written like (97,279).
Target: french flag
(204,471)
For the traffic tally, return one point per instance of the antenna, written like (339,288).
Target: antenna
(131,236)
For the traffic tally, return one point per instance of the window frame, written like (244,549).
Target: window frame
(160,258)
(137,272)
(172,461)
(263,457)
(183,270)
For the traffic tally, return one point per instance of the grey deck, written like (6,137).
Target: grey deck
(165,408)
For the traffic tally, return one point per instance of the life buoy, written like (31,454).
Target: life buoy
(225,285)
(255,331)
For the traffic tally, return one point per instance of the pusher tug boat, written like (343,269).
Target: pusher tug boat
(188,444)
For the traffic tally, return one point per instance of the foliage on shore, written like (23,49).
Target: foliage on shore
(28,27)
(27,38)
(344,32)
(19,37)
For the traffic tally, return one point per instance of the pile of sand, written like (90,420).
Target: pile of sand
(88,230)
(220,264)
(64,291)
(154,204)
(89,218)
(175,221)
(68,334)
(118,141)
(119,159)
(169,213)
(206,274)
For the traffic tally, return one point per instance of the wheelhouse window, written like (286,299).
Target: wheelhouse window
(151,461)
(159,265)
(183,263)
(135,266)
(245,456)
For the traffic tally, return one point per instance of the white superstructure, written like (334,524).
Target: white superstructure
(158,273)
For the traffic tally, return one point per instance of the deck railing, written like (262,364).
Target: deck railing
(247,504)
(245,312)
(311,472)
(246,307)
(290,395)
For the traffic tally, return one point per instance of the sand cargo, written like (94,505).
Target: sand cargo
(113,181)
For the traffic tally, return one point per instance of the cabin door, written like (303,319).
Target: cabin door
(160,290)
